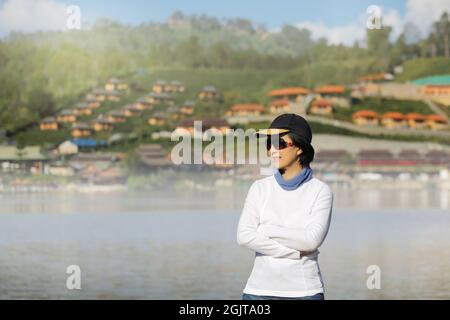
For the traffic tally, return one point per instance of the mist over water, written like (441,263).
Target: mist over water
(146,245)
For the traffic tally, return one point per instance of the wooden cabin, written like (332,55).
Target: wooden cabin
(105,95)
(160,86)
(102,124)
(157,119)
(247,109)
(81,130)
(115,117)
(393,120)
(115,84)
(143,104)
(187,107)
(416,120)
(130,110)
(82,109)
(321,107)
(209,93)
(365,118)
(92,103)
(66,116)
(280,106)
(159,98)
(175,87)
(49,124)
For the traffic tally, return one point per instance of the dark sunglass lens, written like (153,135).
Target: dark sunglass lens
(268,143)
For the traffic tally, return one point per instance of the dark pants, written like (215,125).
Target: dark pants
(246,296)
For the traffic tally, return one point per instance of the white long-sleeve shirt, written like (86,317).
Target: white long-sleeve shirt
(285,229)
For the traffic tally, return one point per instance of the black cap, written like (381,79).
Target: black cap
(289,122)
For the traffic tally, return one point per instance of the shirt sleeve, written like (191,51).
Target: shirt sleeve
(311,237)
(247,231)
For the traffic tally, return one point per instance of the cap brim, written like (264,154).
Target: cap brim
(270,132)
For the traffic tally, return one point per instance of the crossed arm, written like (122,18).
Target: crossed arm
(282,242)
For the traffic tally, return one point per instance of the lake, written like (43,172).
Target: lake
(131,246)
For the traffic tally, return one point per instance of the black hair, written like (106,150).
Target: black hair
(307,155)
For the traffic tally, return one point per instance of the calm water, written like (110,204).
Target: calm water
(129,246)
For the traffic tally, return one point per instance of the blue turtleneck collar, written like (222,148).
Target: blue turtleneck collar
(304,176)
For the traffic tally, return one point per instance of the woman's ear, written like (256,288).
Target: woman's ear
(299,151)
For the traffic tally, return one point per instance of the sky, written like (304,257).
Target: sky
(341,21)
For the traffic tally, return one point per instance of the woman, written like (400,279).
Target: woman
(286,217)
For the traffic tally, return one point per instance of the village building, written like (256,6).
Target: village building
(115,117)
(375,157)
(115,84)
(293,94)
(436,122)
(209,93)
(153,156)
(335,94)
(130,110)
(439,93)
(160,86)
(66,116)
(92,103)
(437,157)
(245,110)
(157,119)
(82,109)
(49,124)
(67,148)
(409,157)
(144,104)
(321,107)
(187,107)
(102,124)
(393,120)
(80,130)
(175,87)
(365,118)
(159,98)
(104,95)
(26,160)
(416,120)
(280,106)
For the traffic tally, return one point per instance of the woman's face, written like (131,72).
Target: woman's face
(284,157)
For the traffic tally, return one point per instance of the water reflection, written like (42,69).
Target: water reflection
(193,254)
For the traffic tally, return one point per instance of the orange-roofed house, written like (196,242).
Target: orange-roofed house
(291,94)
(416,120)
(321,107)
(365,118)
(377,77)
(437,93)
(435,121)
(393,120)
(280,106)
(248,109)
(335,94)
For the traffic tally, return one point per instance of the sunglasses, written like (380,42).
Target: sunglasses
(280,145)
